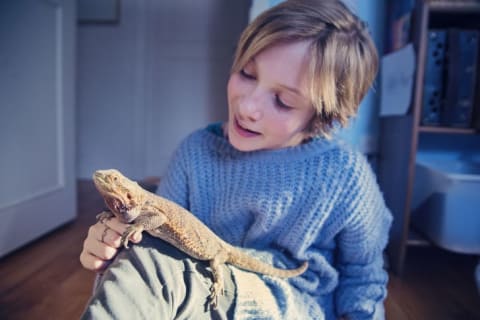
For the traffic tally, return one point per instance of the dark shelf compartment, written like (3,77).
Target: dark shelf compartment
(415,238)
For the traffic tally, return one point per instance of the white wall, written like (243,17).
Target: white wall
(147,82)
(363,130)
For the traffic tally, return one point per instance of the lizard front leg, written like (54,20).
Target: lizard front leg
(104,215)
(216,265)
(147,221)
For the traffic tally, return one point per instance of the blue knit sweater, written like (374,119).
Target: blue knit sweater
(318,201)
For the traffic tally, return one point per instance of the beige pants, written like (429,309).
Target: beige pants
(154,280)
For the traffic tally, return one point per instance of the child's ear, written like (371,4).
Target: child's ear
(313,127)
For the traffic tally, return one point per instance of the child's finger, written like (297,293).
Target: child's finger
(119,228)
(136,237)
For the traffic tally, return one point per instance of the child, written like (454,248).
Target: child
(270,180)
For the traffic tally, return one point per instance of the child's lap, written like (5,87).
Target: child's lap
(168,284)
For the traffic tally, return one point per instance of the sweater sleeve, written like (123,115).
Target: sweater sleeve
(362,278)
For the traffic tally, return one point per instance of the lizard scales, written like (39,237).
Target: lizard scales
(162,218)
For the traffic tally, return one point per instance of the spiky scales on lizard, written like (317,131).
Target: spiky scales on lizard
(165,219)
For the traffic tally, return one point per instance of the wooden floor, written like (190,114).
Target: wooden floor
(45,280)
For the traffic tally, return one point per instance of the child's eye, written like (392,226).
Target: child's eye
(247,75)
(281,104)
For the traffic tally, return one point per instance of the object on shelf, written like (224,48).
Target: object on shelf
(433,84)
(449,82)
(446,202)
(462,62)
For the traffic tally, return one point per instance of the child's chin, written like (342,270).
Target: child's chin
(241,146)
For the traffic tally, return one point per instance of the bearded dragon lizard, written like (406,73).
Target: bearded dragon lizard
(162,218)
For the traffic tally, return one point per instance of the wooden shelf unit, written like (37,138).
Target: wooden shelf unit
(400,135)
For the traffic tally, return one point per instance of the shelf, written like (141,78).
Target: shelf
(416,239)
(447,130)
(458,6)
(460,14)
(402,138)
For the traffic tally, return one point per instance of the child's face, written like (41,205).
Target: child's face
(267,100)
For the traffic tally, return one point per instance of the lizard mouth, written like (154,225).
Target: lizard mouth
(119,210)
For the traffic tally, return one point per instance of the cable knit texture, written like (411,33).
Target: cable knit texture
(318,201)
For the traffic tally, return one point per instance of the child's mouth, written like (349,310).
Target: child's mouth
(244,132)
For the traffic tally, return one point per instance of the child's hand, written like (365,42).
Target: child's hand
(102,243)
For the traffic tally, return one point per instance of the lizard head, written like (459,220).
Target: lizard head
(123,196)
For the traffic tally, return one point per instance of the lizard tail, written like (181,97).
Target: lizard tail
(249,263)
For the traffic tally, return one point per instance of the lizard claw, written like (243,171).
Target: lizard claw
(129,232)
(214,300)
(215,291)
(105,215)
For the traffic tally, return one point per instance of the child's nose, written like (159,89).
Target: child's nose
(251,108)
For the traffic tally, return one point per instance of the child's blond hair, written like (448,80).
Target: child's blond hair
(343,57)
